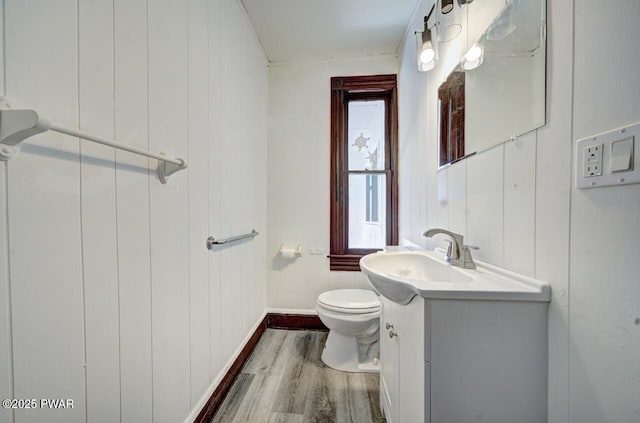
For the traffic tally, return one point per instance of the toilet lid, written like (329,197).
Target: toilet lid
(350,300)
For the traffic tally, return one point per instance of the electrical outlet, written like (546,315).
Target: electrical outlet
(592,161)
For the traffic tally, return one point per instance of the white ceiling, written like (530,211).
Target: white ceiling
(291,30)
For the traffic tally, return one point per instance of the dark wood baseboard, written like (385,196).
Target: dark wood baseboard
(271,320)
(295,322)
(219,394)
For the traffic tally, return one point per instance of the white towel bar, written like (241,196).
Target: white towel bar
(18,125)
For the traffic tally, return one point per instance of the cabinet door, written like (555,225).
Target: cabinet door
(388,362)
(411,390)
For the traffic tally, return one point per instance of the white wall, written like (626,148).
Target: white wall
(518,203)
(299,150)
(604,342)
(109,296)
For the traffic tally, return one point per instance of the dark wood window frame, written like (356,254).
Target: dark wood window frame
(344,90)
(451,96)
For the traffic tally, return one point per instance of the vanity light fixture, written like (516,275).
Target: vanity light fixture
(473,58)
(449,20)
(446,6)
(426,46)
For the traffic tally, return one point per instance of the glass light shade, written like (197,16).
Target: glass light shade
(449,20)
(426,51)
(473,58)
(474,53)
(424,67)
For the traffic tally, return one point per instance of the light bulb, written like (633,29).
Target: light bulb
(473,54)
(473,58)
(427,55)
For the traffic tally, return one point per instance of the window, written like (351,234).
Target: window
(364,186)
(372,199)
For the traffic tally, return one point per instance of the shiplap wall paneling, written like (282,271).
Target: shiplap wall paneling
(133,178)
(198,197)
(44,209)
(485,197)
(520,204)
(6,360)
(231,314)
(215,183)
(553,191)
(457,186)
(105,260)
(169,217)
(234,130)
(98,211)
(604,314)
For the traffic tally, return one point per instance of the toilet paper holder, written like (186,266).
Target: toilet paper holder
(290,252)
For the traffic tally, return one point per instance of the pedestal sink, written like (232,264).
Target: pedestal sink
(401,275)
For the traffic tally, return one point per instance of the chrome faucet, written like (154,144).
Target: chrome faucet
(457,254)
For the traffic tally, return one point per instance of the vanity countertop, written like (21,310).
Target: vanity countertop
(401,275)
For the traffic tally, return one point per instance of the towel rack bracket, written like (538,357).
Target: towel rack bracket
(166,169)
(16,126)
(6,152)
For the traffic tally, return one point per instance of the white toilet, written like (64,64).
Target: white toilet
(353,319)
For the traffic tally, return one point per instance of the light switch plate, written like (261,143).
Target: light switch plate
(594,158)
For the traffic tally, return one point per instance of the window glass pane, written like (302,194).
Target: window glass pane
(366,134)
(367,211)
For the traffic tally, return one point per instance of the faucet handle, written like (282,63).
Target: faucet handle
(467,259)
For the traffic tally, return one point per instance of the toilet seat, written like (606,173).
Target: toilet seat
(349,301)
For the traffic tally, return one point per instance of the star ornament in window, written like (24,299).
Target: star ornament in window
(372,157)
(360,142)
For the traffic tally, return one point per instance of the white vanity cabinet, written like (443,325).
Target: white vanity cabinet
(463,361)
(403,368)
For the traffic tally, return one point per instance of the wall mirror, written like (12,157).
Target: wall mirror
(497,91)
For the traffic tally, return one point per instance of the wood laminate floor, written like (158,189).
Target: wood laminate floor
(285,381)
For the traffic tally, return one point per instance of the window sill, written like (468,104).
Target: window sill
(345,262)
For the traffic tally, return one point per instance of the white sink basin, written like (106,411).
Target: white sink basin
(401,275)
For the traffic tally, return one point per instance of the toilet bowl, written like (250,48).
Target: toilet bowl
(353,319)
